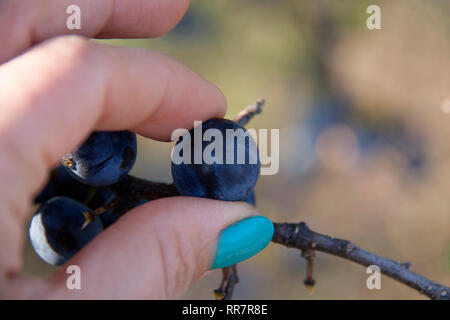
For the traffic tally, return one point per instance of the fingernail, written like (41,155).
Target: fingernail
(242,240)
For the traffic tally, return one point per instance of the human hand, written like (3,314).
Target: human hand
(54,91)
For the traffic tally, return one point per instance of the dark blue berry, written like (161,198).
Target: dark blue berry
(108,218)
(104,159)
(61,183)
(56,232)
(220,179)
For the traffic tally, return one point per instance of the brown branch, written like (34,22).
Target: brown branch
(143,189)
(129,193)
(298,235)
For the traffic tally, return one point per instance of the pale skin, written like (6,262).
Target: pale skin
(55,89)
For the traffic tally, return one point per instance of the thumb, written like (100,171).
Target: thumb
(158,249)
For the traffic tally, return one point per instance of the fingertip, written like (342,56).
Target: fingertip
(221,102)
(149,18)
(242,240)
(177,9)
(192,98)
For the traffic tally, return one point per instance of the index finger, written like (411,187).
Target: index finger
(24,23)
(53,96)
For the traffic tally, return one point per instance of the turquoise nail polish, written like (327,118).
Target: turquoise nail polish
(242,240)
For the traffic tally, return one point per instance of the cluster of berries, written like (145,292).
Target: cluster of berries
(72,205)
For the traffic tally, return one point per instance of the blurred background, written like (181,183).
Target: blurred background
(364,119)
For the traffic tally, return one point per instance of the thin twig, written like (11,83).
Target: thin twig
(249,112)
(309,281)
(229,280)
(298,235)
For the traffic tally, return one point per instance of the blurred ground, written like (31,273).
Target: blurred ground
(364,119)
